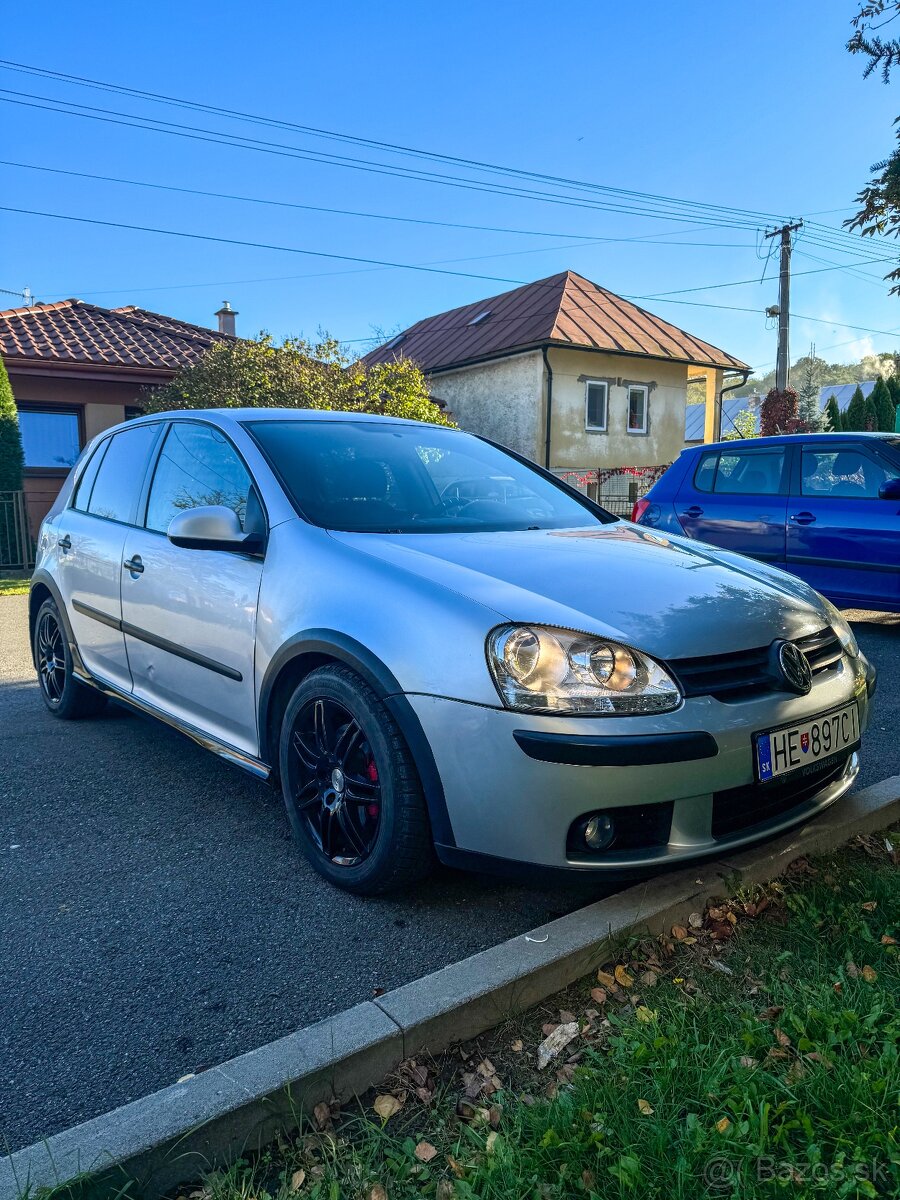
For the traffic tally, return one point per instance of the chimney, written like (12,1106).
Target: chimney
(226,315)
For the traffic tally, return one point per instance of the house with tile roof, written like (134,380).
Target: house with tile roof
(77,368)
(569,374)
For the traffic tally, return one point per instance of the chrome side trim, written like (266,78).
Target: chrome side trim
(231,754)
(161,643)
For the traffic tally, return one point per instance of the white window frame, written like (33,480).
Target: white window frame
(588,384)
(637,387)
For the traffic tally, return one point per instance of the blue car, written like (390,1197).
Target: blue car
(824,506)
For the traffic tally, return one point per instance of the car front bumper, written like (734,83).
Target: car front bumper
(507,803)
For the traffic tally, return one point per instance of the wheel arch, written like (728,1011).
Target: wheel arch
(44,588)
(314,648)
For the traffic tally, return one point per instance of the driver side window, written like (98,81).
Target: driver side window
(197,466)
(846,474)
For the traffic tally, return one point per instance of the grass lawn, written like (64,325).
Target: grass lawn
(14,587)
(752,1053)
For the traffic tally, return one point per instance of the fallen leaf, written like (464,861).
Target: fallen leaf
(551,1045)
(679,933)
(490,1140)
(723,1125)
(623,979)
(425,1152)
(769,1014)
(645,1108)
(695,920)
(566,1017)
(386,1106)
(869,974)
(838,988)
(852,970)
(376,1192)
(587,1178)
(649,979)
(645,1015)
(607,980)
(486,1067)
(322,1115)
(748,1062)
(297,1180)
(517,1046)
(598,995)
(456,1167)
(869,906)
(527,1099)
(886,940)
(547,1029)
(782,1038)
(495,1112)
(445,1190)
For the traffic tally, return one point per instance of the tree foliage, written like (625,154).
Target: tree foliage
(826,374)
(855,415)
(743,425)
(257,373)
(779,412)
(808,409)
(12,460)
(879,200)
(883,407)
(833,415)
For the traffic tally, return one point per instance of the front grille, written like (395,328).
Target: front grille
(743,807)
(637,827)
(731,677)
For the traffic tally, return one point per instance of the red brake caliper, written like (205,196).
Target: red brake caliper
(372,774)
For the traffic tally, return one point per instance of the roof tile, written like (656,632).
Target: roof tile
(77,332)
(564,309)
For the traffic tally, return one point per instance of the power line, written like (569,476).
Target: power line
(234,141)
(165,187)
(308,130)
(206,237)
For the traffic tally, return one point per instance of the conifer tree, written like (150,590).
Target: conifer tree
(11,458)
(855,416)
(833,415)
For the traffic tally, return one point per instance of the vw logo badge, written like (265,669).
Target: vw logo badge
(794,667)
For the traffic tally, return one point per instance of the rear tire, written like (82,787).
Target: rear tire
(351,789)
(64,695)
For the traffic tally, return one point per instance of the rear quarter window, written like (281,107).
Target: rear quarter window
(705,472)
(121,474)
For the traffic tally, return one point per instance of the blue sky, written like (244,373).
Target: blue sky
(756,107)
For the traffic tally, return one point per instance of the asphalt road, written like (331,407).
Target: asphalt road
(155,918)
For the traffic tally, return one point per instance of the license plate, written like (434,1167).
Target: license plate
(793,747)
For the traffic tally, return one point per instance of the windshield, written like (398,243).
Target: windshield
(374,478)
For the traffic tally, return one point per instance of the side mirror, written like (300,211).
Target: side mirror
(211,527)
(889,490)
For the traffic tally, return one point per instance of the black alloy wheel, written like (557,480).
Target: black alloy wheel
(350,786)
(51,658)
(65,696)
(337,790)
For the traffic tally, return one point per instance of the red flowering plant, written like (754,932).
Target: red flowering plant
(779,413)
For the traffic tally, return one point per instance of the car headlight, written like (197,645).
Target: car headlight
(560,671)
(845,634)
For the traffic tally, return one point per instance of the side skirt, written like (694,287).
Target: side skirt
(240,758)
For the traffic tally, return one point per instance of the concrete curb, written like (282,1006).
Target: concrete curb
(173,1135)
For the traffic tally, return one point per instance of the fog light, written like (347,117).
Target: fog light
(599,832)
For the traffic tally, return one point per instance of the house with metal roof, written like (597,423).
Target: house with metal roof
(77,368)
(567,373)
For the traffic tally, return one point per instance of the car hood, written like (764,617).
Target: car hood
(669,596)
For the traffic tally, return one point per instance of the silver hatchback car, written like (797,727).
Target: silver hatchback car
(434,646)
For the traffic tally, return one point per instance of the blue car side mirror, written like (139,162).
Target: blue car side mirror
(889,490)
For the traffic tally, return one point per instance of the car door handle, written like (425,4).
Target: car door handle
(65,543)
(134,564)
(803,518)
(694,511)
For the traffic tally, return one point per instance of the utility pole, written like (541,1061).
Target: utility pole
(783,366)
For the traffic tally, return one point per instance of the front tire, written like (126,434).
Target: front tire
(64,695)
(352,793)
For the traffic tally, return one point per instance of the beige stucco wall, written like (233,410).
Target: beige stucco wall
(501,400)
(575,447)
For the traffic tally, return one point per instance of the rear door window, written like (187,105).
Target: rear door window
(117,486)
(750,472)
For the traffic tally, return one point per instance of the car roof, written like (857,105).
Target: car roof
(787,439)
(243,415)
